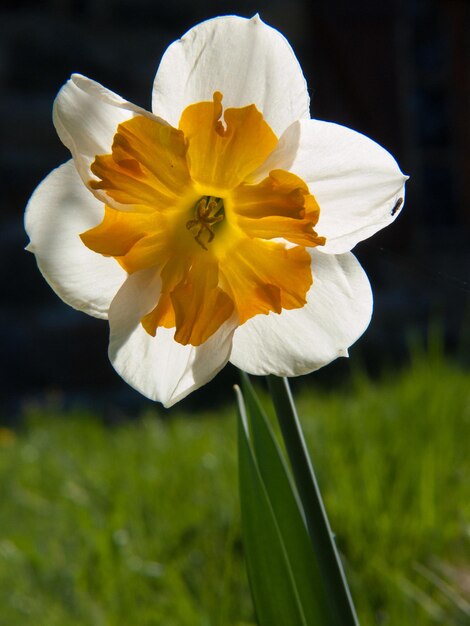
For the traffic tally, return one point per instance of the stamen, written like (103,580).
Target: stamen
(208,211)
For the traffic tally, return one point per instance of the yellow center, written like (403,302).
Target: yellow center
(185,202)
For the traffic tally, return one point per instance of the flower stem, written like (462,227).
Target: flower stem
(315,515)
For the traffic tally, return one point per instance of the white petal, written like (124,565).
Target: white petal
(86,116)
(338,310)
(158,367)
(356,182)
(59,210)
(246,60)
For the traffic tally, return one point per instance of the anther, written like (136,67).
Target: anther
(208,211)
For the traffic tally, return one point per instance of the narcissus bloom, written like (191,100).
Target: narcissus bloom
(217,227)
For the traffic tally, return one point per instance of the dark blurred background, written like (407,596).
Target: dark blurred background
(397,71)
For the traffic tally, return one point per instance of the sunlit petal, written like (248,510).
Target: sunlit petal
(246,60)
(357,183)
(58,211)
(159,367)
(86,116)
(338,310)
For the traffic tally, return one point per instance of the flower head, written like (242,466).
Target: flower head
(218,226)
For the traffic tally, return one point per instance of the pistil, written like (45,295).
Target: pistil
(208,211)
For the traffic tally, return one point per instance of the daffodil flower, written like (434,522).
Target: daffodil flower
(217,227)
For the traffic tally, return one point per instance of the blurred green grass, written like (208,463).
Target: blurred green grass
(138,524)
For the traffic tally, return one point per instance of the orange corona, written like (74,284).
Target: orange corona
(187,202)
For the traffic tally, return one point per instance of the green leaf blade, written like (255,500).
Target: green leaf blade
(268,571)
(283,571)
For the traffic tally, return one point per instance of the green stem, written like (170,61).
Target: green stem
(312,503)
